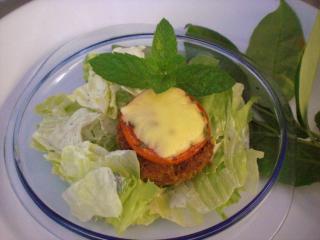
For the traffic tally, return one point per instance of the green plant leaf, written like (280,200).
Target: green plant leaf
(302,163)
(209,35)
(276,46)
(163,82)
(317,119)
(203,80)
(123,69)
(307,162)
(163,68)
(308,70)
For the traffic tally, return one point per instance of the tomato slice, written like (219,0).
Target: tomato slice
(142,150)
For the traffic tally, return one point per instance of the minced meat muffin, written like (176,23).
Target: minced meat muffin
(169,174)
(170,133)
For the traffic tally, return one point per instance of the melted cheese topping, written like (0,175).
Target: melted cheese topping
(169,122)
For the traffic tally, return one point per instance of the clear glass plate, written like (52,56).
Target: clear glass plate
(30,174)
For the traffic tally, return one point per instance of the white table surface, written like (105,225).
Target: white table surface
(34,30)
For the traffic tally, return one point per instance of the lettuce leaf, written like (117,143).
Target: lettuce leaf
(181,205)
(236,142)
(235,197)
(54,108)
(97,94)
(86,67)
(251,184)
(94,195)
(123,162)
(136,197)
(215,188)
(102,132)
(217,115)
(76,161)
(79,164)
(58,105)
(56,132)
(187,203)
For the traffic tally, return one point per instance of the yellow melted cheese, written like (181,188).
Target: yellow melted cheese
(169,122)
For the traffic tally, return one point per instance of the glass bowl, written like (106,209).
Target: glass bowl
(62,72)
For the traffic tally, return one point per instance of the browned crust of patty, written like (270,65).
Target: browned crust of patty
(170,174)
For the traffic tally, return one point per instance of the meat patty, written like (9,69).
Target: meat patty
(170,174)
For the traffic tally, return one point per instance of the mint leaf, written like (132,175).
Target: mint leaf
(210,35)
(164,46)
(163,58)
(202,80)
(123,69)
(162,83)
(276,46)
(317,119)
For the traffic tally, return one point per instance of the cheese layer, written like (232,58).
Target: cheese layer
(169,122)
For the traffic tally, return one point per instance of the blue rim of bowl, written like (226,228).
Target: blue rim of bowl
(24,100)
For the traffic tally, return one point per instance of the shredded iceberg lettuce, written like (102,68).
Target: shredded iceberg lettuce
(136,197)
(218,185)
(102,132)
(102,180)
(218,115)
(86,67)
(56,132)
(136,50)
(94,195)
(78,136)
(120,171)
(77,160)
(98,95)
(58,105)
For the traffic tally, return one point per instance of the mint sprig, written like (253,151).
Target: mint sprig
(201,80)
(162,68)
(124,69)
(164,50)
